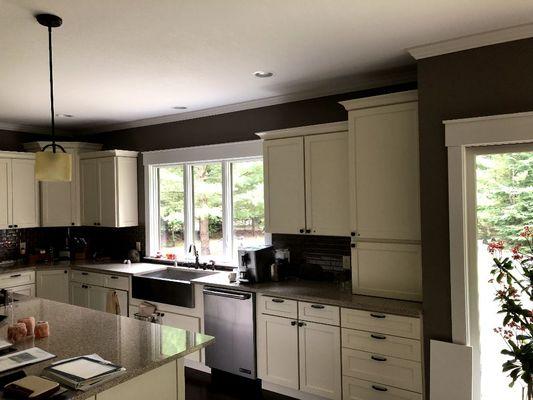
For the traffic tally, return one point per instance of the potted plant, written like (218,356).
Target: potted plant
(512,273)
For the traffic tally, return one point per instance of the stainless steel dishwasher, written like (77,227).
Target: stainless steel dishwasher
(229,317)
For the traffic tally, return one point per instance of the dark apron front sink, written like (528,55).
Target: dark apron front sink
(169,286)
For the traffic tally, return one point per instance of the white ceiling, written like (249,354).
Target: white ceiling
(125,60)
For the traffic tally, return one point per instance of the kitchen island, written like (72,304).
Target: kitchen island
(152,354)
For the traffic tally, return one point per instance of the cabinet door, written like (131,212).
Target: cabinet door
(387,270)
(127,194)
(79,294)
(26,290)
(284,185)
(108,192)
(320,360)
(98,298)
(385,172)
(191,324)
(277,350)
(326,184)
(90,193)
(5,193)
(56,204)
(53,285)
(25,194)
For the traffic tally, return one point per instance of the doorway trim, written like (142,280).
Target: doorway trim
(461,137)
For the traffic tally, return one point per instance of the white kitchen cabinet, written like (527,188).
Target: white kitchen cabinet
(306,180)
(284,185)
(98,298)
(109,188)
(60,201)
(191,324)
(385,195)
(388,270)
(326,174)
(357,389)
(5,193)
(320,360)
(25,193)
(19,191)
(277,350)
(79,294)
(53,285)
(26,290)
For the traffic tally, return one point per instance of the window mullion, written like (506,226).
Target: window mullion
(188,207)
(227,210)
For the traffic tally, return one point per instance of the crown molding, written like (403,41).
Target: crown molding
(472,41)
(307,130)
(367,82)
(381,100)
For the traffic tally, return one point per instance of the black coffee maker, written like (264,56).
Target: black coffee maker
(254,264)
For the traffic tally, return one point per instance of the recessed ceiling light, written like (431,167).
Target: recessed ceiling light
(263,74)
(65,115)
(179,108)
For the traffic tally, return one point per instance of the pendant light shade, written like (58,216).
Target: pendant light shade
(51,165)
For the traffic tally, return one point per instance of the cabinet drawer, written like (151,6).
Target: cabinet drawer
(17,279)
(278,306)
(356,389)
(320,313)
(117,282)
(387,345)
(383,323)
(90,278)
(391,371)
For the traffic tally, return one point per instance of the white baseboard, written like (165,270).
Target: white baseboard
(289,392)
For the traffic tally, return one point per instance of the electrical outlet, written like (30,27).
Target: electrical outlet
(138,246)
(346,262)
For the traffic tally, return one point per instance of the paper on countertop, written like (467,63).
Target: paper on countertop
(83,368)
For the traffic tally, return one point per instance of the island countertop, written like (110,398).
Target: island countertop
(75,331)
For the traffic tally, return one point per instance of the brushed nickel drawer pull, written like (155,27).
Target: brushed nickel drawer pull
(376,358)
(15,276)
(380,316)
(379,337)
(278,300)
(379,388)
(317,306)
(114,277)
(85,273)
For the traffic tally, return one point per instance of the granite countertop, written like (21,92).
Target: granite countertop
(137,345)
(320,292)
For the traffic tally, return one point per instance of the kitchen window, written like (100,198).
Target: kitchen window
(217,206)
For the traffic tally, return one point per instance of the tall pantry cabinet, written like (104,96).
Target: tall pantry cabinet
(384,194)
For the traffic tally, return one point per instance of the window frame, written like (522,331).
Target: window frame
(224,153)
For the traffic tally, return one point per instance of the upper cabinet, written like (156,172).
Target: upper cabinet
(60,201)
(18,191)
(306,173)
(109,188)
(385,195)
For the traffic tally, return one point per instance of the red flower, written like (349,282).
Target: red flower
(527,232)
(495,246)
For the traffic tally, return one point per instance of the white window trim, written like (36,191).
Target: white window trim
(237,151)
(465,139)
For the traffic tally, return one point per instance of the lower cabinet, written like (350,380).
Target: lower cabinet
(95,297)
(53,285)
(26,290)
(358,389)
(320,359)
(277,350)
(186,322)
(300,355)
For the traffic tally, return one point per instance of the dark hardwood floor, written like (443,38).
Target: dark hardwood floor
(222,386)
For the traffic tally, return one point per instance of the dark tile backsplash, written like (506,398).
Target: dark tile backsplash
(107,242)
(313,252)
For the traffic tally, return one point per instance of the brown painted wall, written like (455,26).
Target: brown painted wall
(236,126)
(12,141)
(484,81)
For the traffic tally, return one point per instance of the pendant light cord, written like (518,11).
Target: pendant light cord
(52,111)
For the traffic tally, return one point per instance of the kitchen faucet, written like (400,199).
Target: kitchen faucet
(192,249)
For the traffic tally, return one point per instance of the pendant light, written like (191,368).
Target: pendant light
(51,165)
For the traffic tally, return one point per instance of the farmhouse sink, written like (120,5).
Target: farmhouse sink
(170,286)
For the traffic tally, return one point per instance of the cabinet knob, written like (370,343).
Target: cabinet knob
(379,388)
(308,231)
(72,223)
(380,316)
(302,231)
(15,226)
(300,324)
(378,337)
(352,245)
(378,358)
(352,233)
(10,226)
(293,323)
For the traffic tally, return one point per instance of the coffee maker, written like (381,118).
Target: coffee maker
(254,264)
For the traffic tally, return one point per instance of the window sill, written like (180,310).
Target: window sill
(219,265)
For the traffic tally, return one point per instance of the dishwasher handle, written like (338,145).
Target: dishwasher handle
(230,295)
